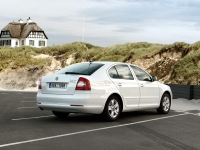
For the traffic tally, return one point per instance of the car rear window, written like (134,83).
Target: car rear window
(81,68)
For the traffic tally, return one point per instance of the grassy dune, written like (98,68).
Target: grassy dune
(186,70)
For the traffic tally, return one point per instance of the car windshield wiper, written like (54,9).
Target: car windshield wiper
(75,73)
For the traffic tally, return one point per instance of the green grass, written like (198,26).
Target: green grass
(187,70)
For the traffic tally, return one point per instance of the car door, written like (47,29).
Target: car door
(149,90)
(123,79)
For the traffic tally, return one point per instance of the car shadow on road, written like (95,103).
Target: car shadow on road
(124,117)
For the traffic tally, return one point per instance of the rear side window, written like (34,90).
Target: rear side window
(81,68)
(124,72)
(113,73)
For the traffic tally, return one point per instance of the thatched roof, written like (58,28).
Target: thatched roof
(21,30)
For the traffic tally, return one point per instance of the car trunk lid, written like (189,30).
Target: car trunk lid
(59,84)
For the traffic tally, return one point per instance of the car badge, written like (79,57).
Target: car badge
(56,78)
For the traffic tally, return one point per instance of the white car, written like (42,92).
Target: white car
(107,88)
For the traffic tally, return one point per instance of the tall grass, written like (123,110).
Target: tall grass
(186,70)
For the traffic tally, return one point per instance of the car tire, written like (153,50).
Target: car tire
(165,104)
(112,109)
(60,114)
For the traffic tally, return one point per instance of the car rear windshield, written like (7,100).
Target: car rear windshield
(81,68)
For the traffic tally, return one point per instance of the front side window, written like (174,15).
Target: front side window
(124,72)
(31,42)
(141,74)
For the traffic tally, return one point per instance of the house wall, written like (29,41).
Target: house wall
(20,41)
(26,42)
(13,42)
(36,42)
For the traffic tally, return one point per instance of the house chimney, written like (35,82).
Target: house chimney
(29,20)
(20,21)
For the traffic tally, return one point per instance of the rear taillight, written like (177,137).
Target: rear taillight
(83,84)
(39,84)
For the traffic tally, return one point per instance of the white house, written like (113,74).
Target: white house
(17,34)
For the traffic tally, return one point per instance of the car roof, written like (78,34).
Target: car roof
(108,62)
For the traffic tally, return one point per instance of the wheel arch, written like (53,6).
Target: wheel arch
(120,98)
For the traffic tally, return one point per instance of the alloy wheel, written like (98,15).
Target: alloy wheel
(166,103)
(113,108)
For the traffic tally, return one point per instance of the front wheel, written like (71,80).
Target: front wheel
(112,109)
(165,104)
(60,114)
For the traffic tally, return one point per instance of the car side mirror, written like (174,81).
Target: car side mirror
(154,78)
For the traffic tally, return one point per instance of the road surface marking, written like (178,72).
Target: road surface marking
(32,118)
(86,131)
(26,107)
(28,101)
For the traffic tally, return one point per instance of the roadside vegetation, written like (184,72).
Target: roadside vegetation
(186,70)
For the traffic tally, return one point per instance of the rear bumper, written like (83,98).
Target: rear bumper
(77,103)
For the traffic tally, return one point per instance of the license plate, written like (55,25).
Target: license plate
(58,85)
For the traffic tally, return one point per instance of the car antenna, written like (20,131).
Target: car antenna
(89,65)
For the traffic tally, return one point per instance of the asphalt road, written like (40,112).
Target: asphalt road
(24,126)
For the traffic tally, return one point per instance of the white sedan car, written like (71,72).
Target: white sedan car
(107,88)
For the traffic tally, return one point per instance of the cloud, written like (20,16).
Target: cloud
(109,22)
(129,29)
(144,11)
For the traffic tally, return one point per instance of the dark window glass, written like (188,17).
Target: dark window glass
(124,72)
(31,42)
(41,43)
(113,73)
(81,68)
(141,74)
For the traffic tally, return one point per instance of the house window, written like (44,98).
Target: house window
(22,42)
(5,34)
(31,42)
(5,42)
(16,43)
(41,43)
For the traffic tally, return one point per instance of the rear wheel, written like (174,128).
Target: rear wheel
(112,109)
(60,114)
(165,104)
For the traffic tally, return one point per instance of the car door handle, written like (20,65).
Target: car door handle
(142,85)
(119,84)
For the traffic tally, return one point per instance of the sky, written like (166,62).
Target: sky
(109,22)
